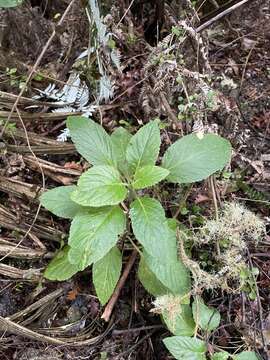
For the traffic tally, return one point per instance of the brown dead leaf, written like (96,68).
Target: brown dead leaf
(73,165)
(201,198)
(72,294)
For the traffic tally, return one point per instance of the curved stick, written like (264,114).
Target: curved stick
(110,306)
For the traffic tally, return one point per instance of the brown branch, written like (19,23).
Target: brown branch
(110,306)
(8,326)
(220,15)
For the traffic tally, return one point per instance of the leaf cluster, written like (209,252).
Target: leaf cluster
(10,3)
(184,325)
(110,199)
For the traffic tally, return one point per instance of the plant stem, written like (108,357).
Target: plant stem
(131,195)
(183,201)
(213,190)
(110,306)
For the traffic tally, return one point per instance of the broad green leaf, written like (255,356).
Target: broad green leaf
(143,147)
(208,319)
(99,186)
(149,280)
(176,272)
(223,355)
(91,140)
(173,224)
(181,324)
(10,3)
(171,274)
(106,273)
(246,355)
(93,233)
(192,159)
(148,175)
(120,139)
(58,202)
(150,228)
(187,348)
(60,268)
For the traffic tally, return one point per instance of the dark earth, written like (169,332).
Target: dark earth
(238,54)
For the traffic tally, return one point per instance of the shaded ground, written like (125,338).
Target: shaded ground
(69,311)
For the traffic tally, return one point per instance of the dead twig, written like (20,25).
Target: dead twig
(56,172)
(43,301)
(60,149)
(20,252)
(43,186)
(220,15)
(18,188)
(245,68)
(33,275)
(8,326)
(10,221)
(264,341)
(132,330)
(120,356)
(110,306)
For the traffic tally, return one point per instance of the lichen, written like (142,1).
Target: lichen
(227,240)
(236,224)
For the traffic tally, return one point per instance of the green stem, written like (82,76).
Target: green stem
(131,195)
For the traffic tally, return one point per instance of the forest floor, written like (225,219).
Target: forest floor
(41,319)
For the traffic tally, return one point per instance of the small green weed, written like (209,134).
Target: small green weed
(10,128)
(14,78)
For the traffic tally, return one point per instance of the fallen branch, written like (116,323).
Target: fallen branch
(8,326)
(60,149)
(56,172)
(37,305)
(19,252)
(12,272)
(19,188)
(220,15)
(110,306)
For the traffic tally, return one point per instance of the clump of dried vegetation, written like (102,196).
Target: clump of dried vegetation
(226,240)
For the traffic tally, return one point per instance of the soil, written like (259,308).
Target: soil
(239,57)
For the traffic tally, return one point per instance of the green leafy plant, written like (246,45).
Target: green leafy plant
(248,281)
(184,347)
(14,78)
(184,321)
(184,325)
(111,206)
(10,3)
